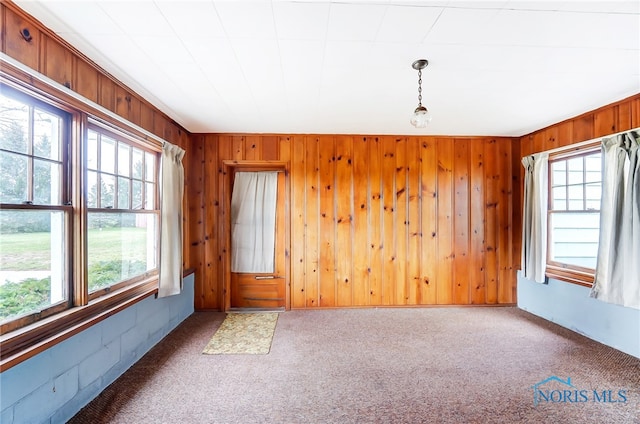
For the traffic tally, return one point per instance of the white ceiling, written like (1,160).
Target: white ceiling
(501,68)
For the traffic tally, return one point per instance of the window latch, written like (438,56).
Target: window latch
(27,202)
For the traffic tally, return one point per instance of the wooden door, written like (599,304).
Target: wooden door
(265,290)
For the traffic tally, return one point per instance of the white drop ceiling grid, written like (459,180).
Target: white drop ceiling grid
(501,68)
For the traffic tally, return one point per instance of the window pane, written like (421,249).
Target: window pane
(559,201)
(32,263)
(136,163)
(92,150)
(136,199)
(46,183)
(123,159)
(123,193)
(594,168)
(576,170)
(107,189)
(107,155)
(150,195)
(92,189)
(558,173)
(14,117)
(46,135)
(150,166)
(574,238)
(576,196)
(13,171)
(594,193)
(120,246)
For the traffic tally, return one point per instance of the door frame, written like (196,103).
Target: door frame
(228,168)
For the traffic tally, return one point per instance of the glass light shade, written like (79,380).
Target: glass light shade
(421,117)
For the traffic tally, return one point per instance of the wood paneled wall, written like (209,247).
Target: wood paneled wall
(375,220)
(610,119)
(49,55)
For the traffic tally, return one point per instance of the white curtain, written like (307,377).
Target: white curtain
(171,193)
(617,277)
(534,219)
(253,222)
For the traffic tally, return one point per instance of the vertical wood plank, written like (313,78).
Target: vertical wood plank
(212,293)
(285,152)
(563,137)
(361,194)
(298,214)
(445,221)
(312,222)
(375,235)
(135,113)
(106,94)
(517,172)
(26,52)
(624,116)
(85,80)
(388,220)
(401,223)
(270,149)
(56,61)
(123,102)
(635,113)
(605,121)
(195,191)
(429,224)
(491,228)
(344,220)
(583,128)
(539,142)
(477,215)
(326,159)
(415,236)
(220,272)
(505,231)
(237,147)
(253,147)
(146,115)
(461,222)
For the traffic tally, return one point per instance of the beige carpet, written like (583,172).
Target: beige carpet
(243,333)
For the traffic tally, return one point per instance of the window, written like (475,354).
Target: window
(123,213)
(79,216)
(574,212)
(35,210)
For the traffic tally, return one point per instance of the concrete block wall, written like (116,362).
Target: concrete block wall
(54,385)
(570,306)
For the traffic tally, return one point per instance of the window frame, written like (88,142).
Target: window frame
(570,273)
(43,332)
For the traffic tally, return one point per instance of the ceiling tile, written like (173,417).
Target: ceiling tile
(355,22)
(407,24)
(246,19)
(301,21)
(128,15)
(192,19)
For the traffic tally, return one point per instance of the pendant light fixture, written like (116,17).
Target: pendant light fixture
(421,116)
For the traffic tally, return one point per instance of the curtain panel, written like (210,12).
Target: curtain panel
(171,231)
(617,278)
(534,220)
(253,222)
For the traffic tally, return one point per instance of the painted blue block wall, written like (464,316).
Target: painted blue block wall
(570,306)
(54,385)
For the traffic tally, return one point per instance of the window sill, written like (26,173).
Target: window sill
(570,275)
(24,343)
